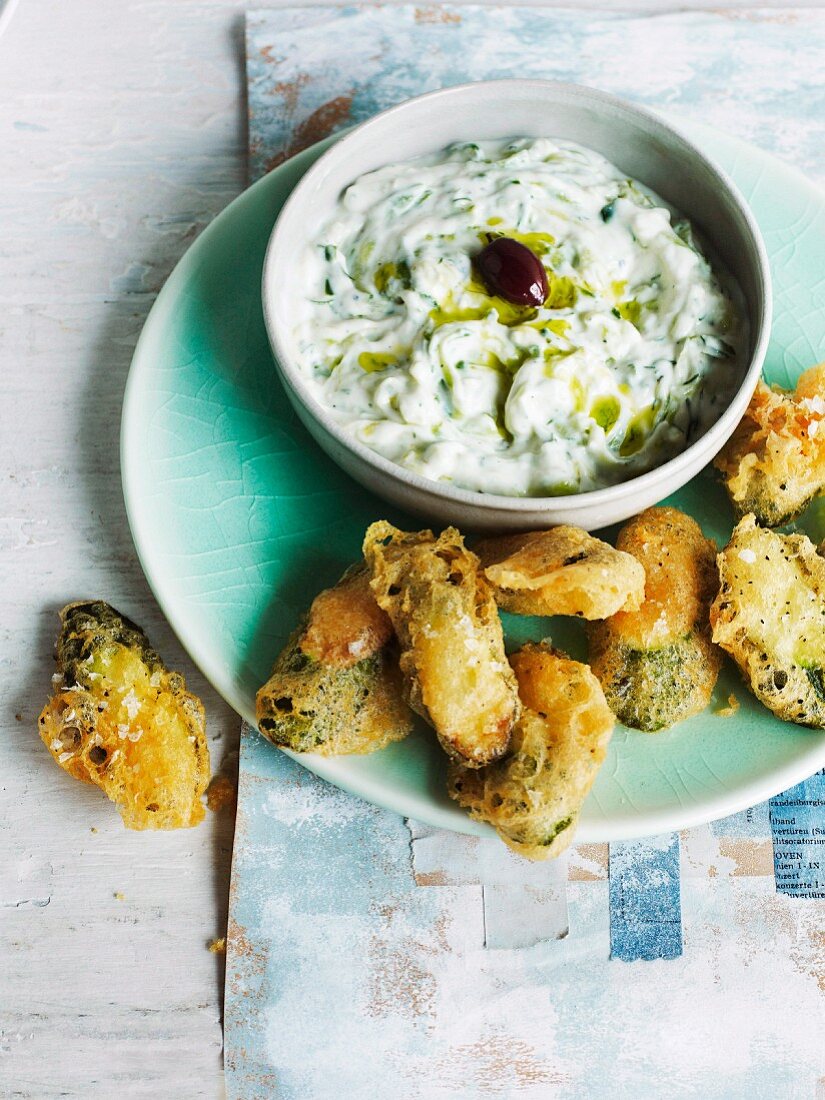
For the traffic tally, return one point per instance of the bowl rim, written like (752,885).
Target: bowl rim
(710,443)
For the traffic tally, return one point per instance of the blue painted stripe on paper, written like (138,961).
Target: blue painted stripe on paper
(645,899)
(798,830)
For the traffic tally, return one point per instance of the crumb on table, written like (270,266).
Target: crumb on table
(217,946)
(220,793)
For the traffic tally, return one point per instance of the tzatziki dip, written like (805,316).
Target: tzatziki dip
(634,352)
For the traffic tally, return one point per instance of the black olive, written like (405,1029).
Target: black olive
(510,270)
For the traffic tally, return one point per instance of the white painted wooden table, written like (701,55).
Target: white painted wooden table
(122,133)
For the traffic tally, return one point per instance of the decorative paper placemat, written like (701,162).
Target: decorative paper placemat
(354,971)
(369,952)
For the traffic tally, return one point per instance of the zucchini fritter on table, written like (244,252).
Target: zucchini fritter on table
(452,648)
(563,571)
(770,616)
(534,795)
(336,686)
(774,463)
(121,720)
(658,665)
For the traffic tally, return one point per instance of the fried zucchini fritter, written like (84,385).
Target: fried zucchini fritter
(345,625)
(658,665)
(534,795)
(336,686)
(309,706)
(770,616)
(563,571)
(121,720)
(452,648)
(774,463)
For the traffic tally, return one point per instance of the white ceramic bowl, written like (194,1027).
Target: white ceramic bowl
(634,139)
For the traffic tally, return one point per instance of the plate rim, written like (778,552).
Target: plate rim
(650,823)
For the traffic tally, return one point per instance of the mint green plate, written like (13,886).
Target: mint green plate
(239,519)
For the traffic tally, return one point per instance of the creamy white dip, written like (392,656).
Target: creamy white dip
(634,354)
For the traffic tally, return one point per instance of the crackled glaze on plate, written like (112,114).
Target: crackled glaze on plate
(239,518)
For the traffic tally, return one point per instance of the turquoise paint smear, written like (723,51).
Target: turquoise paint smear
(798,828)
(645,899)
